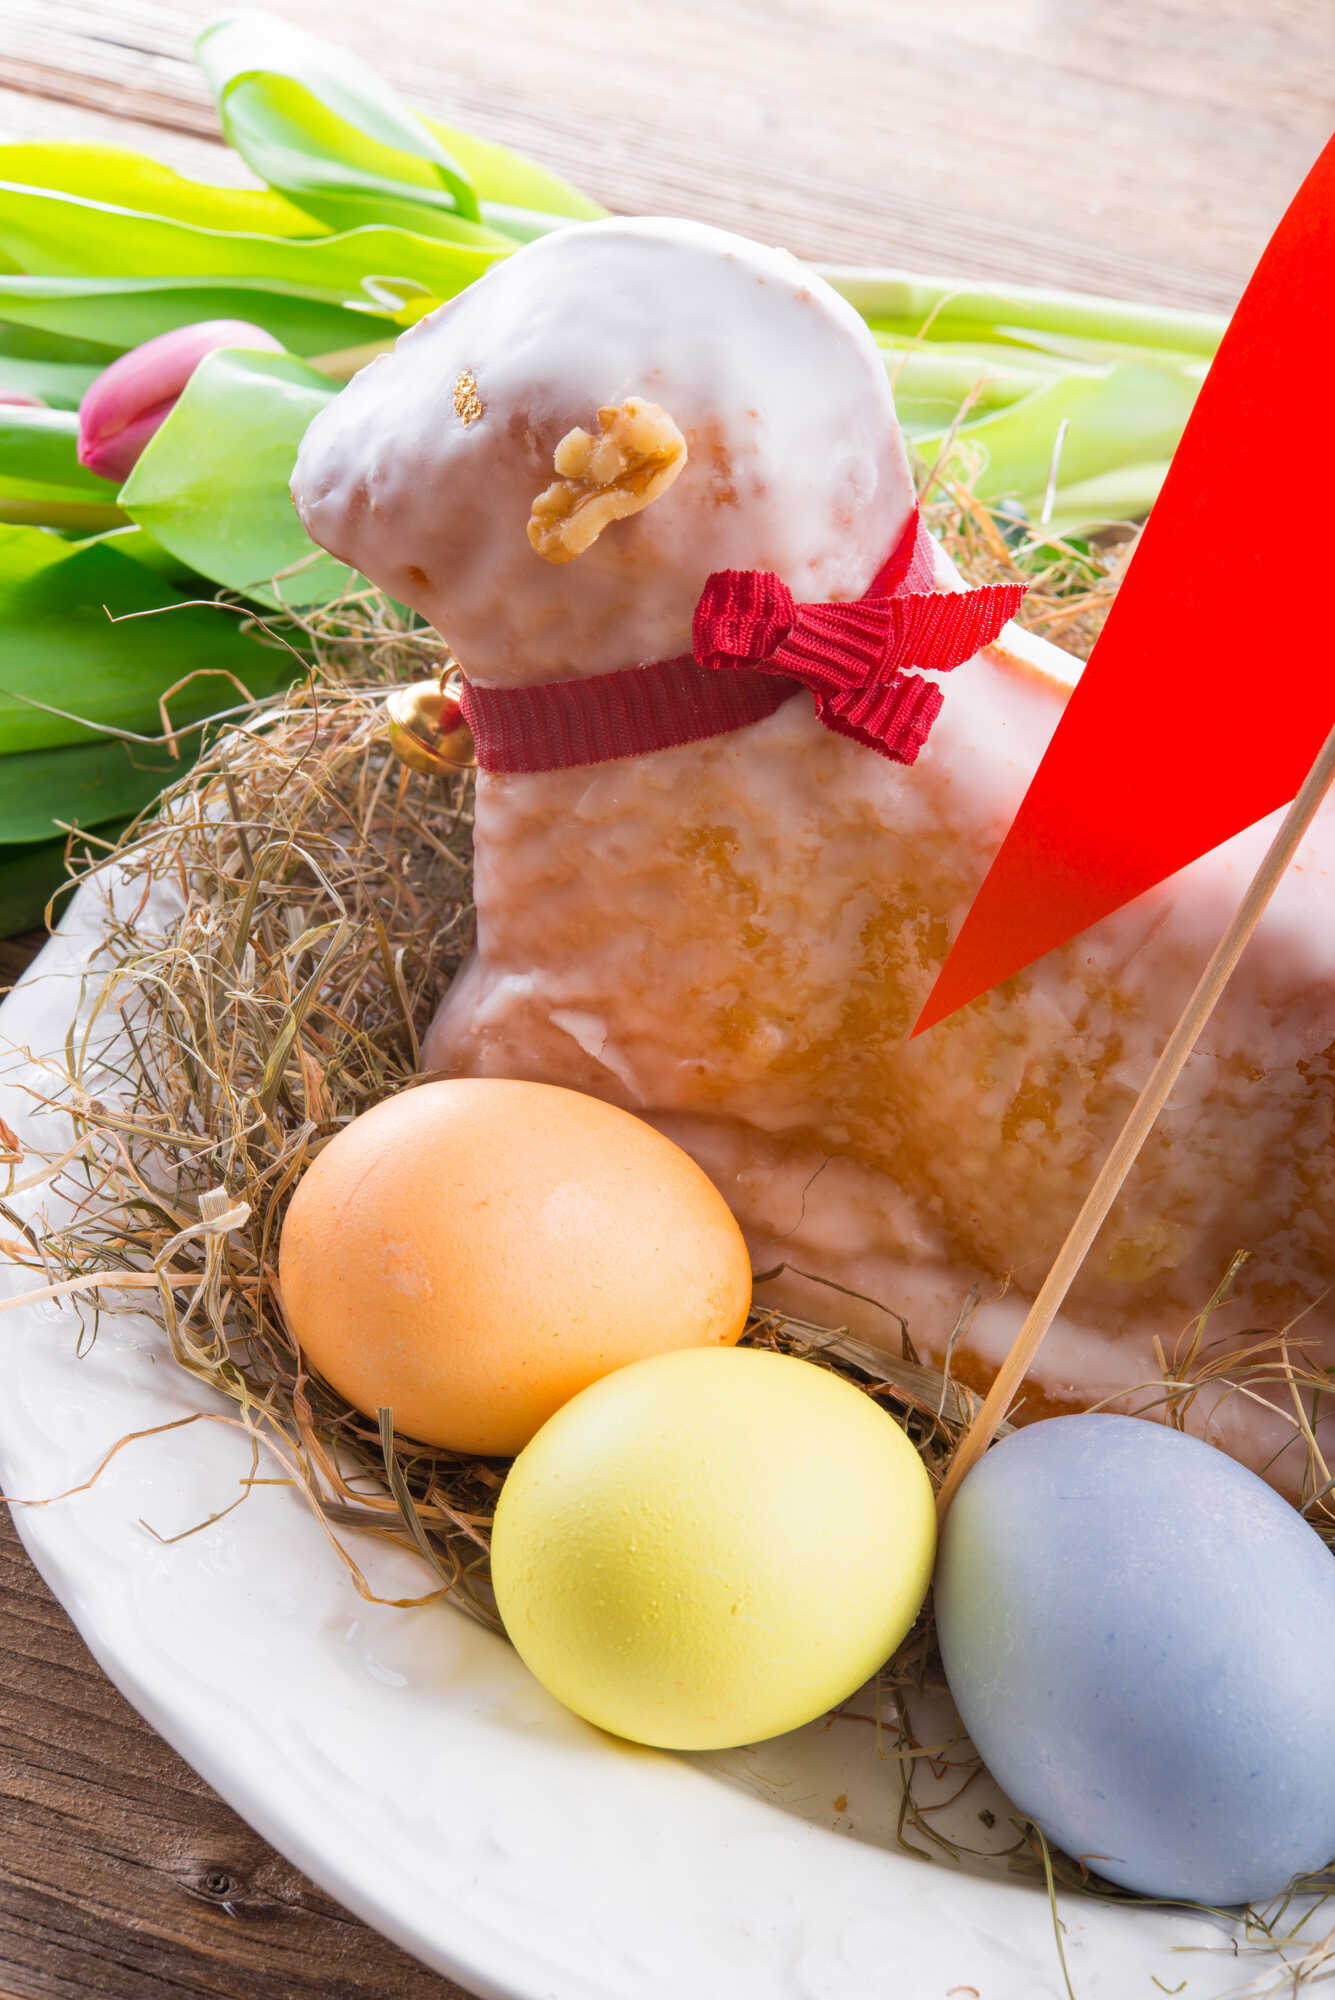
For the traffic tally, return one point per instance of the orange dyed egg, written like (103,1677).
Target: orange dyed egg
(472,1253)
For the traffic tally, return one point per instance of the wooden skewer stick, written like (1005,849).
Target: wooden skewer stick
(1136,1130)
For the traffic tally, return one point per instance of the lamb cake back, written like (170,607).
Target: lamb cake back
(725,831)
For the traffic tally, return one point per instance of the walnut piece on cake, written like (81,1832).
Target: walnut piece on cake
(789,457)
(601,479)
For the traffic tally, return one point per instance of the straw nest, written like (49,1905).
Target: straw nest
(322,899)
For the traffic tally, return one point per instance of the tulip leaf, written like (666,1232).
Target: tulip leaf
(506,179)
(321,127)
(132,180)
(301,147)
(1123,493)
(124,312)
(65,235)
(932,381)
(41,479)
(1119,415)
(30,874)
(962,309)
(25,553)
(84,784)
(39,448)
(60,384)
(212,485)
(36,343)
(136,543)
(82,656)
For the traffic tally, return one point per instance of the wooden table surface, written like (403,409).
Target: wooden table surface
(1110,145)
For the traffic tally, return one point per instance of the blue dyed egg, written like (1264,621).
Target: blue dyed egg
(1140,1638)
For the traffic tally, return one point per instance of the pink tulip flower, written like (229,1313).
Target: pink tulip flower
(131,399)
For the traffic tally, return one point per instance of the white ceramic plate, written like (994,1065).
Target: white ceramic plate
(410,1765)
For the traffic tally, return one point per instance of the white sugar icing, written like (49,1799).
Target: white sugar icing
(794,458)
(735,937)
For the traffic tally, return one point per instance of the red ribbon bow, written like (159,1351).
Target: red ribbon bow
(853,656)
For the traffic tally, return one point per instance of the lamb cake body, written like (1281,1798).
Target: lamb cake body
(733,936)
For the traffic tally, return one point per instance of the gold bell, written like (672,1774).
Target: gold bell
(427,732)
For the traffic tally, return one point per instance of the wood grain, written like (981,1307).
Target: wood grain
(16,953)
(122,1874)
(1143,150)
(1106,145)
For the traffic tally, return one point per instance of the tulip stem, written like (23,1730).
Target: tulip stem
(90,516)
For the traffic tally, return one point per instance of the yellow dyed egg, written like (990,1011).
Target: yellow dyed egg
(711,1547)
(473,1253)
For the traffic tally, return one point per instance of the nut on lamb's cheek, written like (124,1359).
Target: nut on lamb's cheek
(794,458)
(735,938)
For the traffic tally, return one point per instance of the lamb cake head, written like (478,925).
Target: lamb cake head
(715,407)
(637,453)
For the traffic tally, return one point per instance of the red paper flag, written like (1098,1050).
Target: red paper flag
(1212,685)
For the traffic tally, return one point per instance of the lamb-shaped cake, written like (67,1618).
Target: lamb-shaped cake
(714,884)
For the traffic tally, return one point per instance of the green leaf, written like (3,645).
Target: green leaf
(30,874)
(955,309)
(212,485)
(37,363)
(932,382)
(38,448)
(1125,414)
(65,235)
(1126,493)
(320,126)
(34,343)
(41,479)
(505,179)
(1074,348)
(25,553)
(61,384)
(136,543)
(82,784)
(132,180)
(122,312)
(80,658)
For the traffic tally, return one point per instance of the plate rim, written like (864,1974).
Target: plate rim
(481,1965)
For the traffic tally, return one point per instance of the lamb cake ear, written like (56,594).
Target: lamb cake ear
(636,456)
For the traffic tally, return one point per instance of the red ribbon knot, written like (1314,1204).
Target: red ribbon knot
(755,649)
(853,657)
